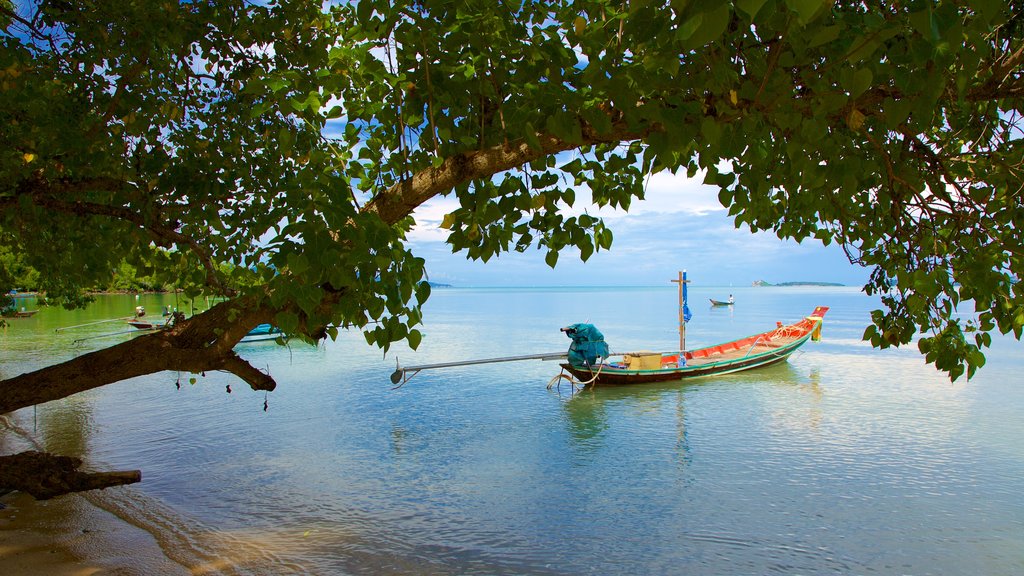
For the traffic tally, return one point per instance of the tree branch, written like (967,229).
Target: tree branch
(402,198)
(46,194)
(199,344)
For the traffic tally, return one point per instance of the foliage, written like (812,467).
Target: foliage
(889,127)
(15,274)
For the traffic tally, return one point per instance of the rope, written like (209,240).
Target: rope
(572,380)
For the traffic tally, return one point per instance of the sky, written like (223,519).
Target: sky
(680,225)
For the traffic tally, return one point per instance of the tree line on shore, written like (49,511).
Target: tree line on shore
(16,274)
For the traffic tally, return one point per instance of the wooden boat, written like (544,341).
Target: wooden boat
(20,313)
(261,333)
(589,361)
(146,325)
(719,302)
(746,353)
(257,334)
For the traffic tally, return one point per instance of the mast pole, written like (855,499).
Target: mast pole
(681,280)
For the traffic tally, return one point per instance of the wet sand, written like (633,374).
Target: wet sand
(69,536)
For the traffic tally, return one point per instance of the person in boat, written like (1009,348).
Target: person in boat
(140,311)
(731,299)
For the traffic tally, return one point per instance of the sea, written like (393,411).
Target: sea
(843,460)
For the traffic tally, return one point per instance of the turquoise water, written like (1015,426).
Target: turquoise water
(844,460)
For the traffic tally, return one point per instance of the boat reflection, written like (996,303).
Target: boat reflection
(609,414)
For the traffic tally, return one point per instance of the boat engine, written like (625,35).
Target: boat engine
(587,344)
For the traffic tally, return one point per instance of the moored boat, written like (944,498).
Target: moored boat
(257,334)
(261,333)
(719,302)
(746,353)
(147,325)
(589,361)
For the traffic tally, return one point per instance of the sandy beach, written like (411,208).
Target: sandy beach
(70,536)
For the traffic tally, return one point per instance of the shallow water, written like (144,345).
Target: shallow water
(843,460)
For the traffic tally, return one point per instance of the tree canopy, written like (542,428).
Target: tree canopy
(276,153)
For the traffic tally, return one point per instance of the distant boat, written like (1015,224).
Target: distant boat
(257,334)
(743,354)
(719,302)
(147,325)
(262,332)
(13,311)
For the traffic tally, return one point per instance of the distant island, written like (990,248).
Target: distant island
(438,285)
(763,283)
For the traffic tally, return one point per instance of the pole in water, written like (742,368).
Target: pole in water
(682,281)
(93,323)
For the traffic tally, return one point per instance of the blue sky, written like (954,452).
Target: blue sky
(679,226)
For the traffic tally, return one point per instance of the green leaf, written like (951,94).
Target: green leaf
(711,27)
(896,112)
(692,24)
(414,338)
(530,134)
(860,82)
(297,263)
(725,196)
(565,126)
(806,10)
(711,130)
(288,322)
(586,249)
(551,258)
(750,7)
(825,35)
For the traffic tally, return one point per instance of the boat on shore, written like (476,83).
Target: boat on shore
(746,353)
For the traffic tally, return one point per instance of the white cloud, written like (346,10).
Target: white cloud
(679,225)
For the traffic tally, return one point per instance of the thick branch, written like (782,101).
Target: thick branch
(401,199)
(200,344)
(255,378)
(46,475)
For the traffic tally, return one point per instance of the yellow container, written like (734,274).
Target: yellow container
(642,361)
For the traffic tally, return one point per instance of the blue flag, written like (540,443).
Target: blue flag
(686,309)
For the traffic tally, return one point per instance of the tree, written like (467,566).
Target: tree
(891,128)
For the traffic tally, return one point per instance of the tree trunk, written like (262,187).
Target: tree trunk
(45,475)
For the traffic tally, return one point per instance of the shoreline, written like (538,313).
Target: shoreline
(70,535)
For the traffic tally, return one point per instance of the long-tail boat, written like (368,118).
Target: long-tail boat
(743,354)
(589,361)
(257,334)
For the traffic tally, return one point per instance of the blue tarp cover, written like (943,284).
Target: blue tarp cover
(587,344)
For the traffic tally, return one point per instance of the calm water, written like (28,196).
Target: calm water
(845,460)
